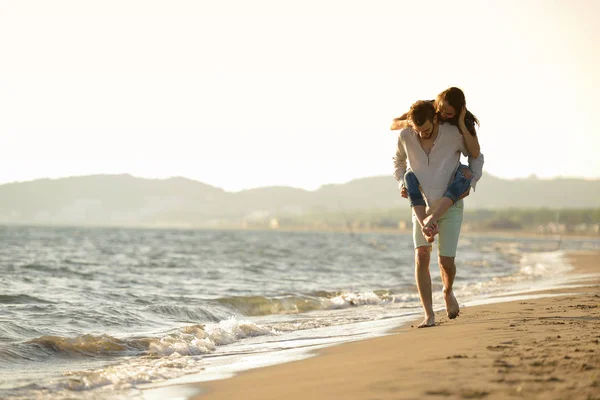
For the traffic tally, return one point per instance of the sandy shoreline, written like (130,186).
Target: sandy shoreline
(545,348)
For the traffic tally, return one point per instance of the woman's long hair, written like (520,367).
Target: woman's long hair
(456,99)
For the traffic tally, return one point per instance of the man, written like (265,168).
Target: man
(433,151)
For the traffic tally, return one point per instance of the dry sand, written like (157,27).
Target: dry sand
(545,348)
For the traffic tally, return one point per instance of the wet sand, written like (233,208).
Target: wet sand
(546,348)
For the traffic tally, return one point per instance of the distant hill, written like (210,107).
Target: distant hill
(124,200)
(493,192)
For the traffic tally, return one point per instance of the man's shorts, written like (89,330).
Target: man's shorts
(449,224)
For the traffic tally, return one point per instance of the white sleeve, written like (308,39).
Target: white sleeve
(400,162)
(476,167)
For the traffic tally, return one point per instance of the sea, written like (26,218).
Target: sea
(116,313)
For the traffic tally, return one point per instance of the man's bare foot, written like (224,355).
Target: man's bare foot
(452,308)
(427,322)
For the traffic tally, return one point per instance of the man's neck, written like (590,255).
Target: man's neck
(434,134)
(436,130)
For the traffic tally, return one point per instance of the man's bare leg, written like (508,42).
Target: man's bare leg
(448,272)
(423,279)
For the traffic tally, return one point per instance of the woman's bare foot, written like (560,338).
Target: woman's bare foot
(427,322)
(430,229)
(428,236)
(452,308)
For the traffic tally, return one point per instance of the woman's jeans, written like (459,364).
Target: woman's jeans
(458,186)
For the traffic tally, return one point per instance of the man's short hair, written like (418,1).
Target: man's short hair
(421,112)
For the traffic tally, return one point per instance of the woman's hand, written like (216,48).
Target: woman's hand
(465,194)
(461,118)
(404,192)
(466,172)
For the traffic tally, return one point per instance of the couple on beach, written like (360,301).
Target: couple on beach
(433,135)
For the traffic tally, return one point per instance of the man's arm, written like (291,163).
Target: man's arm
(400,162)
(471,141)
(476,167)
(472,144)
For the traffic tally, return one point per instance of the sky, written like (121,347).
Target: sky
(244,94)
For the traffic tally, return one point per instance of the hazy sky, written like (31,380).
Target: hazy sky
(240,94)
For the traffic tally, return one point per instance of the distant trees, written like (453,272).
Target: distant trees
(513,219)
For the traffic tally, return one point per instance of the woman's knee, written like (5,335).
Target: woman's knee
(410,179)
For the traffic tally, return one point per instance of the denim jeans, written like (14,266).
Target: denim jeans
(457,187)
(411,183)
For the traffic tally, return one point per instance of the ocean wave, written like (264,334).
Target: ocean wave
(168,356)
(22,299)
(58,270)
(543,264)
(129,374)
(259,305)
(87,345)
(532,267)
(14,331)
(189,340)
(318,300)
(185,313)
(37,267)
(204,339)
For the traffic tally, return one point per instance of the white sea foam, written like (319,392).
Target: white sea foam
(537,271)
(345,300)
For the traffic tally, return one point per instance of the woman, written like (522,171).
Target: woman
(451,107)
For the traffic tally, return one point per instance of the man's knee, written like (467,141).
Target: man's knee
(423,255)
(446,263)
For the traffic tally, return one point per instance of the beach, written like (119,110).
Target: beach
(540,348)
